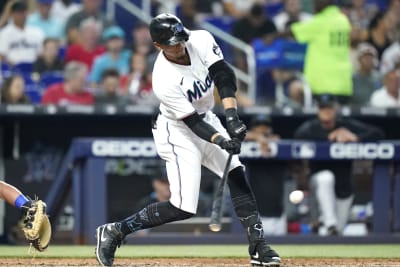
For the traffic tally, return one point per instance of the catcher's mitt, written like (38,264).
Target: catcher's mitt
(36,225)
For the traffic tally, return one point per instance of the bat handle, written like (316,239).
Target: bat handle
(216,214)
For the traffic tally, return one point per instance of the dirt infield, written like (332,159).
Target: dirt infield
(198,262)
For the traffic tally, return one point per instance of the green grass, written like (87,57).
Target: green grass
(213,251)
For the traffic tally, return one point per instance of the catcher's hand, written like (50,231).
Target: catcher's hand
(36,225)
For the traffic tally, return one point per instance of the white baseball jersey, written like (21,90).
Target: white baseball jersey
(183,90)
(21,45)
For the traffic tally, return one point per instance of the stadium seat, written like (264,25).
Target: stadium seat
(279,54)
(272,9)
(23,67)
(61,52)
(49,78)
(5,70)
(32,89)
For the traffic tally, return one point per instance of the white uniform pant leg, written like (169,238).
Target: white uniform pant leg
(175,144)
(343,207)
(323,184)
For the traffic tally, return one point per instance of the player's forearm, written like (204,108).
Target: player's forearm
(229,102)
(201,128)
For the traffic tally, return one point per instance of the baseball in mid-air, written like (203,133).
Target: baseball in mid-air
(296,196)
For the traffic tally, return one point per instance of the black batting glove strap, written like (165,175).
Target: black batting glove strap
(236,128)
(231,146)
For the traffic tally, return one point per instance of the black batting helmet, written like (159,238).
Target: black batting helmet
(168,29)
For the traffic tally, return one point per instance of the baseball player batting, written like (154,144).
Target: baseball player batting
(188,134)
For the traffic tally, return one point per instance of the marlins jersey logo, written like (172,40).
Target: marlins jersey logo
(199,88)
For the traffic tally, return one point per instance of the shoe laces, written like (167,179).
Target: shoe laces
(116,242)
(118,238)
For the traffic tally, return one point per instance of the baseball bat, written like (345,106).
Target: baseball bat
(216,213)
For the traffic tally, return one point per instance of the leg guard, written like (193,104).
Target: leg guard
(243,199)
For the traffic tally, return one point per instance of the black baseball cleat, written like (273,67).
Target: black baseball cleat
(263,255)
(108,239)
(260,253)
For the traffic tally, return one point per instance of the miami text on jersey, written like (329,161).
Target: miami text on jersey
(199,88)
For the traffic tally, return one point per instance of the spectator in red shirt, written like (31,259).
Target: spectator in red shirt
(72,91)
(88,48)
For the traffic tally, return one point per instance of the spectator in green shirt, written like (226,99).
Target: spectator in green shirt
(327,64)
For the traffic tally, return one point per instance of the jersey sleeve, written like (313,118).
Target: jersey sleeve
(210,50)
(304,32)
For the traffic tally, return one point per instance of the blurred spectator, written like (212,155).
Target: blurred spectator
(390,57)
(292,13)
(330,181)
(210,7)
(138,82)
(142,42)
(63,9)
(109,91)
(366,79)
(49,60)
(6,12)
(360,14)
(289,90)
(267,185)
(327,66)
(255,24)
(188,13)
(20,42)
(50,26)
(90,9)
(379,30)
(13,91)
(88,48)
(393,12)
(388,96)
(115,57)
(240,8)
(72,90)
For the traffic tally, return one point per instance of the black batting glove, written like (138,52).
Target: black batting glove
(236,128)
(231,146)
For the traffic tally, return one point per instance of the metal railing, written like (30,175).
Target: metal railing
(250,77)
(143,14)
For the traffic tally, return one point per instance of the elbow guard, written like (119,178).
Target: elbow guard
(224,78)
(201,128)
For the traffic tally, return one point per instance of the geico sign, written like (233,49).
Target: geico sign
(362,151)
(124,148)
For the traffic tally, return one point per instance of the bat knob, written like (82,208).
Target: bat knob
(215,227)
